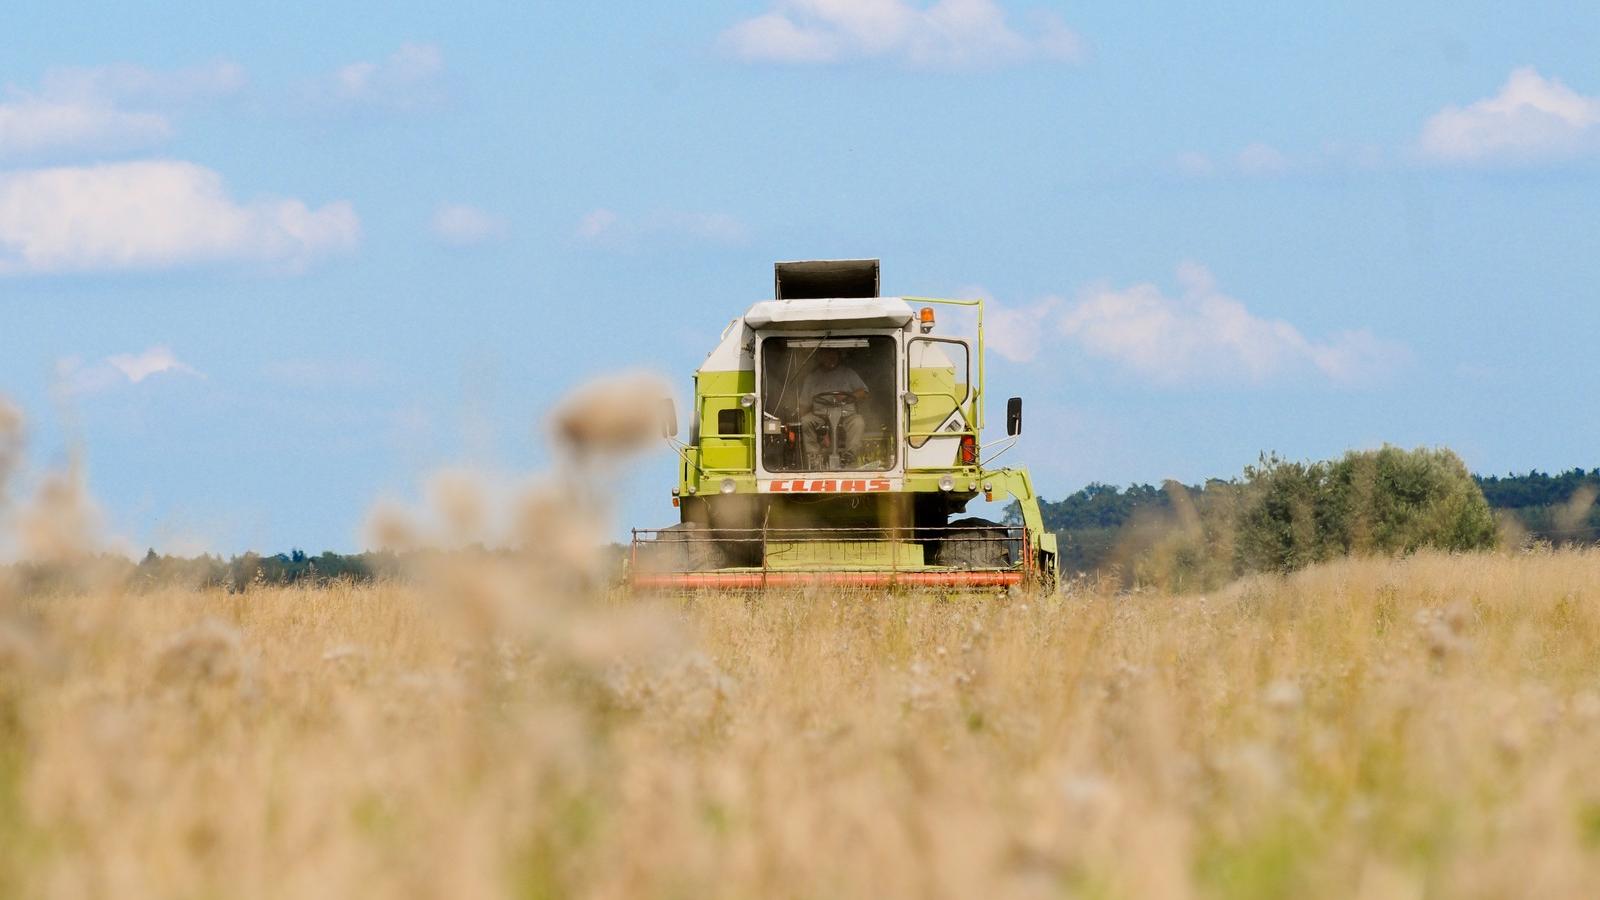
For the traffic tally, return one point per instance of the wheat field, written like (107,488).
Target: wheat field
(1414,728)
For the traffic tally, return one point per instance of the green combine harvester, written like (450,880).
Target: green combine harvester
(836,439)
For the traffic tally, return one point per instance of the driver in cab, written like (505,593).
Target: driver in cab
(832,385)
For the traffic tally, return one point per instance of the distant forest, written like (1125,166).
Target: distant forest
(1095,522)
(237,573)
(281,568)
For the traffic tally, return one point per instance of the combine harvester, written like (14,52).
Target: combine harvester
(835,440)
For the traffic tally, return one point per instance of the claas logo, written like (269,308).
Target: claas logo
(829,485)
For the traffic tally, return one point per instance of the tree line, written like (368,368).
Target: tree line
(233,574)
(1279,515)
(1556,508)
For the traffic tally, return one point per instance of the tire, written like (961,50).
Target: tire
(979,544)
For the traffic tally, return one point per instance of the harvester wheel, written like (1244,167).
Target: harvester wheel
(979,544)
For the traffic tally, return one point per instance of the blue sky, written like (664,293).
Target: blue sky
(265,262)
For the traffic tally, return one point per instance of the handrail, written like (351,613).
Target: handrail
(977,392)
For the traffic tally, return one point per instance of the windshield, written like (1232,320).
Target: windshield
(828,404)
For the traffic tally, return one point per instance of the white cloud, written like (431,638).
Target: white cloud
(1261,159)
(1203,334)
(947,33)
(138,367)
(462,225)
(32,127)
(1199,335)
(1531,119)
(155,215)
(123,368)
(406,79)
(141,87)
(607,226)
(105,109)
(1018,334)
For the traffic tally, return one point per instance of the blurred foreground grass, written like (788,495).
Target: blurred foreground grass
(1412,728)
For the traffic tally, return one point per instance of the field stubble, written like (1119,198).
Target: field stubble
(1419,727)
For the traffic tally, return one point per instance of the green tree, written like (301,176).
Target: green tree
(1277,525)
(1386,502)
(1392,501)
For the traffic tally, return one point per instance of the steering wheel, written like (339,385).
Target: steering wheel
(833,398)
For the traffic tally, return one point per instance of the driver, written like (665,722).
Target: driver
(840,386)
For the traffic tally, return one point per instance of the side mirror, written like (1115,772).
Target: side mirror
(1014,416)
(669,418)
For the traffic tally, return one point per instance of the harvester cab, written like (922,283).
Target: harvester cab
(835,438)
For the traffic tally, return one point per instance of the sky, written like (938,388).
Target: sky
(262,263)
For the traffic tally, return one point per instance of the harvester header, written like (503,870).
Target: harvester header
(835,437)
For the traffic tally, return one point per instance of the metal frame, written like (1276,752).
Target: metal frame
(901,419)
(743,580)
(840,574)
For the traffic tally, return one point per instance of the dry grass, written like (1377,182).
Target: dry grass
(1427,727)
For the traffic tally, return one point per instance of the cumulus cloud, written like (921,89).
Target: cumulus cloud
(462,225)
(1262,159)
(1204,334)
(155,215)
(1018,334)
(31,127)
(408,78)
(106,108)
(1200,334)
(607,226)
(946,33)
(1532,119)
(75,376)
(139,86)
(136,367)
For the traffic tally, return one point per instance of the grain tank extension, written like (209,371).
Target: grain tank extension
(835,438)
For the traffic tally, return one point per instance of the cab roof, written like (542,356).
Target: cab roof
(829,312)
